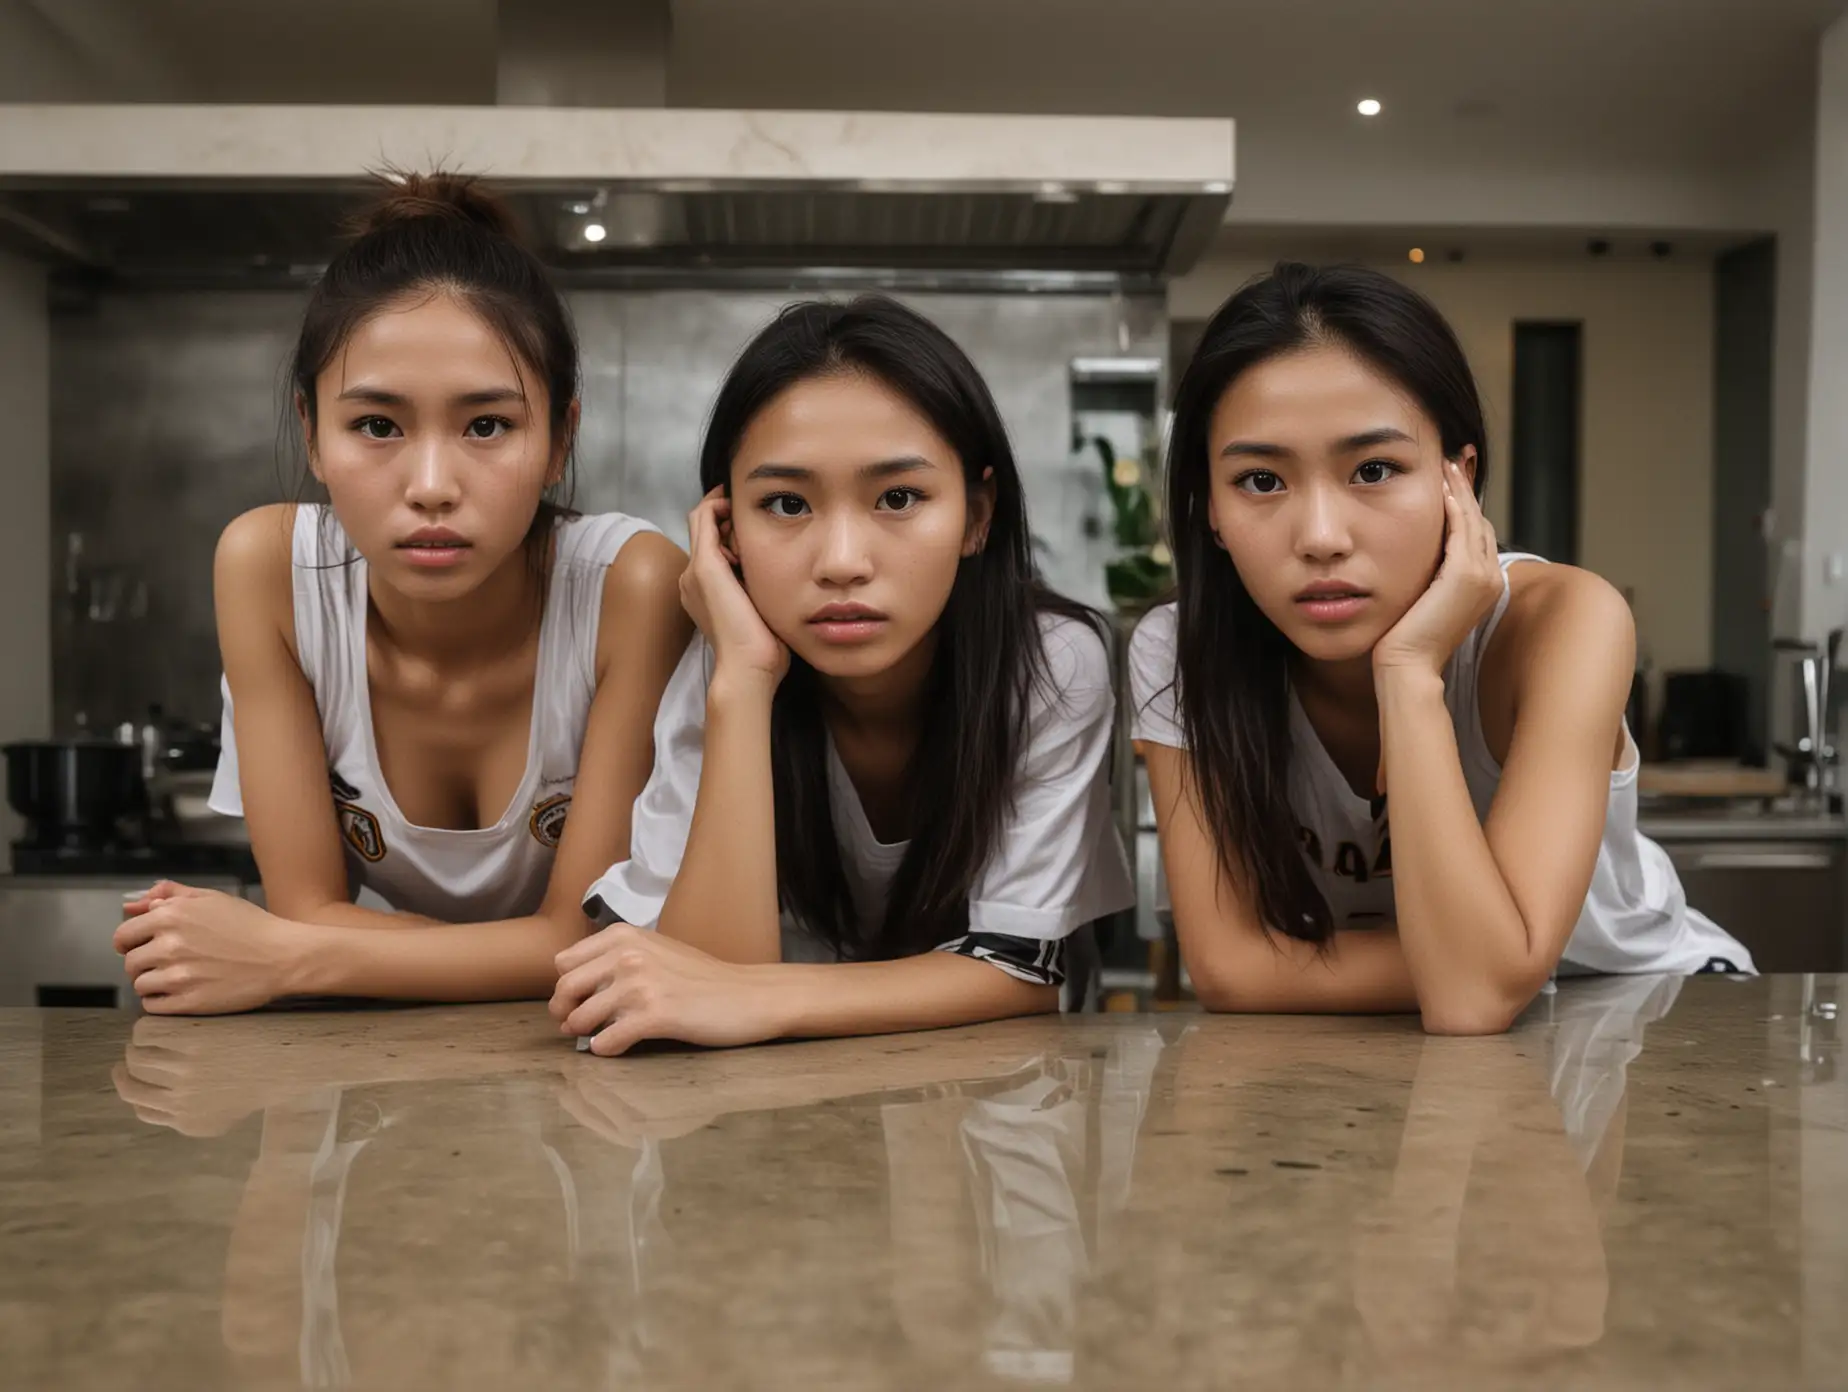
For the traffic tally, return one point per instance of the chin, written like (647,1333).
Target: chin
(1331,642)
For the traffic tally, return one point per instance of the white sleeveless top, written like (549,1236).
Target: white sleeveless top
(1636,917)
(498,871)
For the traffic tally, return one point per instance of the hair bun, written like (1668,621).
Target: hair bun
(409,197)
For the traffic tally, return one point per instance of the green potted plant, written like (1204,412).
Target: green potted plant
(1143,569)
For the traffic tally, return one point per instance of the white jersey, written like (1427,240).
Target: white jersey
(1059,862)
(498,871)
(1636,917)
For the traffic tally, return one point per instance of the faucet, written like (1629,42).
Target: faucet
(1814,761)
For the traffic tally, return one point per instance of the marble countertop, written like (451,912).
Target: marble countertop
(1644,1186)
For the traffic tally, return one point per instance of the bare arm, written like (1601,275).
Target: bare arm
(1235,963)
(315,942)
(724,897)
(628,984)
(1485,910)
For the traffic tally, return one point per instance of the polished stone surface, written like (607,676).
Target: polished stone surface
(1646,1185)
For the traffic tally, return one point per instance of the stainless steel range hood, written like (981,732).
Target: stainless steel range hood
(161,191)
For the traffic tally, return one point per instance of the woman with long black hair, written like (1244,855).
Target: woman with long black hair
(880,797)
(1389,762)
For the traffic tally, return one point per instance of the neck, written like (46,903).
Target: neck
(495,617)
(888,701)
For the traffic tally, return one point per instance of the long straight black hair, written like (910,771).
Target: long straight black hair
(988,656)
(1232,663)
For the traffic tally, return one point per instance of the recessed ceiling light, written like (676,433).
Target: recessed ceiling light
(595,232)
(1415,256)
(1368,107)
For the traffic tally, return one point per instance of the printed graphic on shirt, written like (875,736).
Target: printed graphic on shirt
(547,823)
(343,790)
(1351,860)
(360,829)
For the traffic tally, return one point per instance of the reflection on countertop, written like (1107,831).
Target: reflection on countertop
(1646,1184)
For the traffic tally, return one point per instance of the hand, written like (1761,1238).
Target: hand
(181,1074)
(207,953)
(627,984)
(1467,584)
(715,599)
(600,1100)
(160,893)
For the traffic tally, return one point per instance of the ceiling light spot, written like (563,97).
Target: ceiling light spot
(1368,107)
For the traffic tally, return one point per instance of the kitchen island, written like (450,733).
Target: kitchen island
(1644,1185)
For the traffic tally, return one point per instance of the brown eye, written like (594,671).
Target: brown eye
(375,427)
(900,499)
(1259,481)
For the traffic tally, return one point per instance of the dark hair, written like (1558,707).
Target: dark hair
(961,777)
(1232,681)
(446,233)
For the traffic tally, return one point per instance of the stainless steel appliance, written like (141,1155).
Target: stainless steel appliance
(56,938)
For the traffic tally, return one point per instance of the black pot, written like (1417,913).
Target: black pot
(74,792)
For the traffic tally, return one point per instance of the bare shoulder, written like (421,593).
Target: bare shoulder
(646,571)
(258,545)
(1550,605)
(641,601)
(1563,625)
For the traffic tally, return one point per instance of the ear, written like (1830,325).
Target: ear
(981,514)
(561,447)
(307,425)
(1466,461)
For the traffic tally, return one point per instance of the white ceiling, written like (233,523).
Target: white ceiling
(1609,101)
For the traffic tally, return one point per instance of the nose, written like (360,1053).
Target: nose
(433,485)
(845,555)
(1323,532)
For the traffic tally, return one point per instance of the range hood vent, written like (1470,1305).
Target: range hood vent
(255,191)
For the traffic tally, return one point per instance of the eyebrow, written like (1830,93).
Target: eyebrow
(882,469)
(378,396)
(1366,439)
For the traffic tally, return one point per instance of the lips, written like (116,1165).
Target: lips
(433,547)
(1331,601)
(847,623)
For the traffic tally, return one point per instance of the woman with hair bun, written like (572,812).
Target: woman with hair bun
(416,671)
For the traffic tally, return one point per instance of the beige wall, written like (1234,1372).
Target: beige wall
(25,513)
(1646,506)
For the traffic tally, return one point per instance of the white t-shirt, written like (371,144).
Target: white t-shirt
(1059,862)
(477,876)
(1636,917)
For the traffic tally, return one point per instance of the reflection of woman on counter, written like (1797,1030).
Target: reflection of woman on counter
(880,795)
(1489,1248)
(1389,765)
(421,668)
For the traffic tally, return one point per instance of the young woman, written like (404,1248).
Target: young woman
(417,674)
(1389,765)
(880,792)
